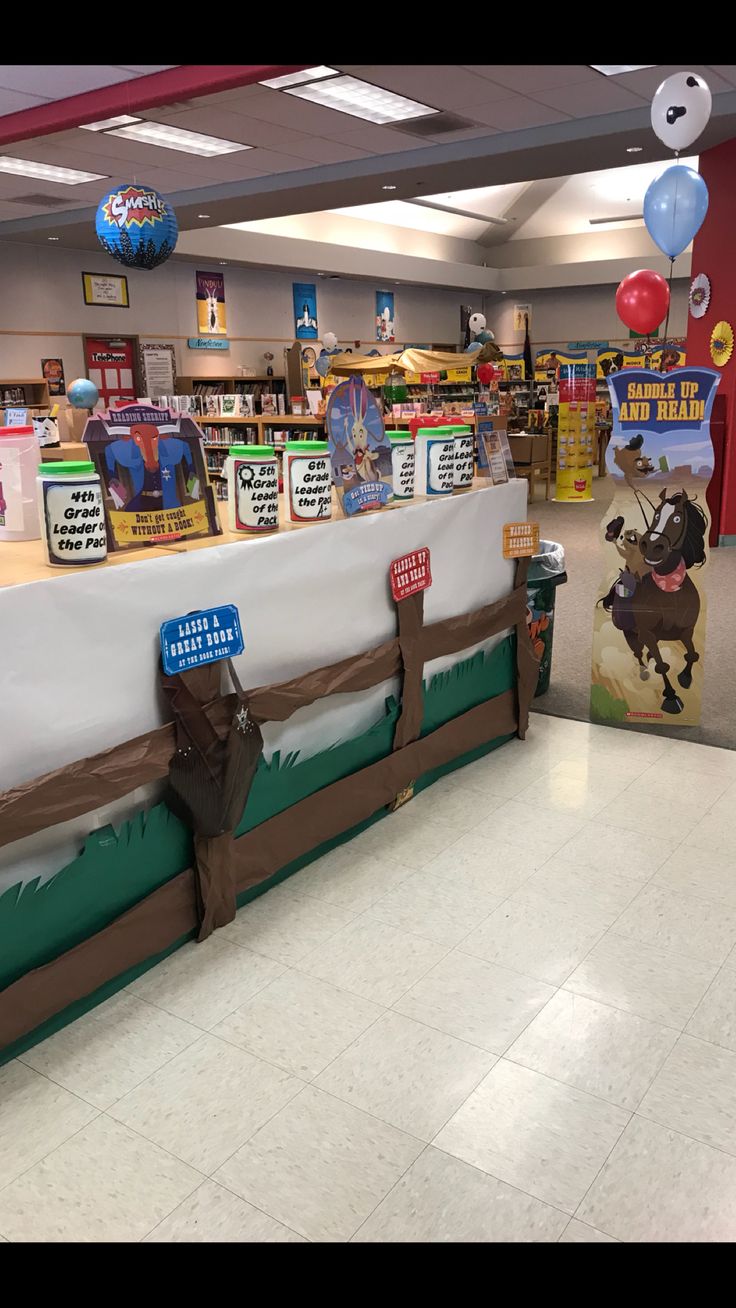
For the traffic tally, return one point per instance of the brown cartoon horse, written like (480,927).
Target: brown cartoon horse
(632,462)
(664,604)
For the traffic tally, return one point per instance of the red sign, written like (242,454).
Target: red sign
(410,573)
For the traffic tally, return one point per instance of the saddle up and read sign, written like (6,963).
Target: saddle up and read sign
(200,637)
(674,401)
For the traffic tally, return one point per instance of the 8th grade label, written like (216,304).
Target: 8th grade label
(75,523)
(310,494)
(440,466)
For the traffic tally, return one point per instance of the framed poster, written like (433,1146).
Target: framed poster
(154,480)
(211,313)
(522,317)
(105,289)
(158,368)
(305,310)
(52,371)
(649,616)
(385,316)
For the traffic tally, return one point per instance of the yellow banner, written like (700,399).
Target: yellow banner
(459,374)
(161,524)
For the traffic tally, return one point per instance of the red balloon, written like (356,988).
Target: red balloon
(642,300)
(486,372)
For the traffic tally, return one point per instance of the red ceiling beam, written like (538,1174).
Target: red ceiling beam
(185,82)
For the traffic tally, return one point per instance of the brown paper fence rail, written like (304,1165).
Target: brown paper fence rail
(172,912)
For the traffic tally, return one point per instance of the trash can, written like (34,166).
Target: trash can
(546,573)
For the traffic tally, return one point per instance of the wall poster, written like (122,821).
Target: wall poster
(385,316)
(153,475)
(305,311)
(158,369)
(649,621)
(211,312)
(52,371)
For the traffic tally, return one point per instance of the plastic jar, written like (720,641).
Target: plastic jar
(435,461)
(19,456)
(463,466)
(307,481)
(72,514)
(402,464)
(252,473)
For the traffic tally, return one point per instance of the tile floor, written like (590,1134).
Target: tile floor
(506,1013)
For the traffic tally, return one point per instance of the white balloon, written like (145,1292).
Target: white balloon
(477,322)
(681,109)
(329,340)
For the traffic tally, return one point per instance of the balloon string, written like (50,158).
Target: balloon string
(667,319)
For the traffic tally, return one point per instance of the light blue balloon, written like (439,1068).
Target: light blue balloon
(82,393)
(484,337)
(675,205)
(323,364)
(473,347)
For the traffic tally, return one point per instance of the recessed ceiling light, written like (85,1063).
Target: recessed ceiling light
(350,95)
(634,149)
(203,215)
(294,79)
(104,125)
(388,188)
(222,263)
(46,172)
(611,70)
(54,238)
(175,138)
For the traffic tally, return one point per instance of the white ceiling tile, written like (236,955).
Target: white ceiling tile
(443,86)
(372,138)
(586,99)
(515,113)
(726,71)
(646,80)
(143,70)
(216,120)
(290,111)
(57,81)
(12,101)
(317,149)
(528,78)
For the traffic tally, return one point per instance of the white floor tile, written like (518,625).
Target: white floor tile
(409,1075)
(614,849)
(697,928)
(409,836)
(715,1017)
(487,865)
(35,1117)
(206,1102)
(715,832)
(373,960)
(508,771)
(652,983)
(320,1166)
(543,1137)
(213,1215)
(475,1001)
(660,1187)
(561,792)
(441,1200)
(284,925)
(111,1049)
(530,935)
(705,758)
(639,810)
(298,1023)
(580,1233)
(202,983)
(351,879)
(431,906)
(700,872)
(450,800)
(592,1047)
(583,889)
(695,1093)
(105,1185)
(514,823)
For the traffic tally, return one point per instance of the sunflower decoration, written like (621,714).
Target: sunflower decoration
(699,295)
(721,343)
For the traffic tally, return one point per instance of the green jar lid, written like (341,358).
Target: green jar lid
(434,431)
(306,447)
(459,426)
(251,451)
(65,469)
(399,437)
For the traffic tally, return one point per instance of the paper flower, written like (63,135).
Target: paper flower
(699,295)
(721,343)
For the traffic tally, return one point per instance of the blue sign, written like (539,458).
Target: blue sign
(587,345)
(208,343)
(200,637)
(305,310)
(137,226)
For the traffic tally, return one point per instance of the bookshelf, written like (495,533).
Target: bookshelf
(257,386)
(24,393)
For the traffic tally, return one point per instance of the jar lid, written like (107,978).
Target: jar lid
(434,431)
(9,432)
(306,447)
(66,468)
(458,427)
(399,437)
(251,451)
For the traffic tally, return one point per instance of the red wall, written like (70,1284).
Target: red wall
(714,253)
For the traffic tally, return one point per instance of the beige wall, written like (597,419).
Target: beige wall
(576,313)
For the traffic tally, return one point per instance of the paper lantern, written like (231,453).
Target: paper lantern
(137,226)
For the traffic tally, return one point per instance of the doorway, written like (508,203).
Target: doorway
(112,364)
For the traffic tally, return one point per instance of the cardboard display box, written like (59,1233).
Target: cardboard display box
(528,449)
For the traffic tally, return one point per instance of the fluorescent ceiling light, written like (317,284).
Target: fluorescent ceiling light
(104,125)
(611,70)
(175,138)
(350,95)
(295,79)
(46,172)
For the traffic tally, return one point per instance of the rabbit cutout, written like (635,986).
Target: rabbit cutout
(364,458)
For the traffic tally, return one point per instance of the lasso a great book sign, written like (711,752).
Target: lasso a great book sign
(649,623)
